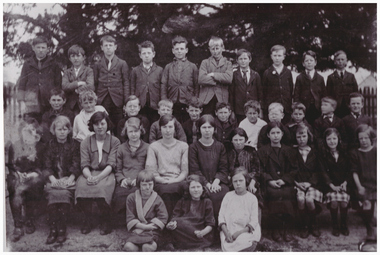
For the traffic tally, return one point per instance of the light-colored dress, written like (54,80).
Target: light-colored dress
(80,126)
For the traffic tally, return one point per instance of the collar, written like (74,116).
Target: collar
(330,115)
(279,69)
(312,72)
(356,115)
(307,148)
(148,66)
(106,145)
(180,60)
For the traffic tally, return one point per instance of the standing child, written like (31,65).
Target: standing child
(246,84)
(298,117)
(146,215)
(310,87)
(145,82)
(194,109)
(215,75)
(180,79)
(225,122)
(78,78)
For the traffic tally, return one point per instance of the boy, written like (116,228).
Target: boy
(194,109)
(246,85)
(355,118)
(131,109)
(215,74)
(225,122)
(252,124)
(310,87)
(278,82)
(180,78)
(340,84)
(145,82)
(165,107)
(298,117)
(77,78)
(39,75)
(275,114)
(111,80)
(328,120)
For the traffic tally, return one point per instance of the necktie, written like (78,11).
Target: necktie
(245,76)
(308,74)
(39,65)
(341,75)
(357,115)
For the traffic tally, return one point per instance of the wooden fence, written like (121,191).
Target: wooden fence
(370,102)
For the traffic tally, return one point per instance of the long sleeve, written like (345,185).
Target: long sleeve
(164,82)
(153,132)
(184,164)
(85,156)
(179,132)
(222,171)
(125,78)
(209,213)
(152,161)
(195,79)
(194,165)
(297,89)
(66,84)
(203,79)
(119,165)
(225,77)
(133,81)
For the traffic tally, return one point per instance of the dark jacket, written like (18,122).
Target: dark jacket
(350,125)
(263,138)
(309,91)
(223,130)
(308,171)
(321,124)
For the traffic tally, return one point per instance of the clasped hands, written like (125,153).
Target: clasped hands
(128,182)
(173,225)
(276,184)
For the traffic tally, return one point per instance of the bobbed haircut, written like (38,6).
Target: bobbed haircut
(298,106)
(252,104)
(98,117)
(132,122)
(196,178)
(164,120)
(145,44)
(57,92)
(275,124)
(364,128)
(60,120)
(356,95)
(330,101)
(302,128)
(179,39)
(107,38)
(238,131)
(278,48)
(241,170)
(204,119)
(41,39)
(75,50)
(309,53)
(241,52)
(327,133)
(145,176)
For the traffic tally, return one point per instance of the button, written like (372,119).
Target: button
(278,172)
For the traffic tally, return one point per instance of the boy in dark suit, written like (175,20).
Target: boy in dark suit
(194,109)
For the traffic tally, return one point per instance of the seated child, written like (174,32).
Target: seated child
(252,124)
(298,117)
(165,107)
(194,109)
(87,100)
(131,109)
(239,217)
(146,215)
(193,217)
(225,122)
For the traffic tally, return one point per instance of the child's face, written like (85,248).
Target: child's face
(61,132)
(238,180)
(146,188)
(252,115)
(309,63)
(57,102)
(77,60)
(298,115)
(341,61)
(275,115)
(164,110)
(133,134)
(194,112)
(132,108)
(108,48)
(364,140)
(356,105)
(207,130)
(302,138)
(180,50)
(244,61)
(277,57)
(332,141)
(100,128)
(275,135)
(168,130)
(216,51)
(223,114)
(238,142)
(41,50)
(147,55)
(326,108)
(88,105)
(195,190)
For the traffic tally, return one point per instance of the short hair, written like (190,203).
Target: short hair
(274,124)
(98,117)
(63,120)
(164,120)
(75,50)
(179,39)
(242,170)
(276,106)
(278,48)
(196,178)
(132,122)
(355,95)
(302,128)
(214,40)
(145,176)
(238,131)
(194,102)
(40,39)
(328,132)
(204,119)
(329,100)
(253,104)
(298,106)
(165,102)
(242,51)
(364,128)
(57,92)
(309,53)
(145,44)
(339,52)
(107,38)
(221,105)
(87,95)
(132,98)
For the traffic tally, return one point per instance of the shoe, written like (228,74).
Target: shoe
(52,236)
(105,229)
(17,234)
(344,230)
(304,232)
(336,231)
(287,236)
(86,228)
(276,235)
(30,228)
(61,238)
(315,231)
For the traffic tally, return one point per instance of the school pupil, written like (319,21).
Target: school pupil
(111,75)
(277,83)
(193,217)
(39,75)
(132,108)
(225,122)
(278,163)
(145,82)
(340,84)
(180,79)
(146,215)
(310,87)
(77,78)
(252,124)
(336,175)
(298,118)
(130,160)
(246,85)
(239,217)
(194,109)
(165,107)
(215,75)
(363,165)
(61,169)
(87,101)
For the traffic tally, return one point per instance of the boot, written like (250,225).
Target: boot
(85,206)
(52,234)
(314,224)
(288,226)
(367,216)
(343,222)
(304,230)
(29,225)
(105,227)
(334,219)
(18,232)
(63,211)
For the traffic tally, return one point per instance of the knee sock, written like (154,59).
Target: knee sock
(343,216)
(334,216)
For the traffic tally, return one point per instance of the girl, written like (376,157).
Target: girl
(97,182)
(278,162)
(306,181)
(208,158)
(146,215)
(193,217)
(238,217)
(131,157)
(363,166)
(62,160)
(335,173)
